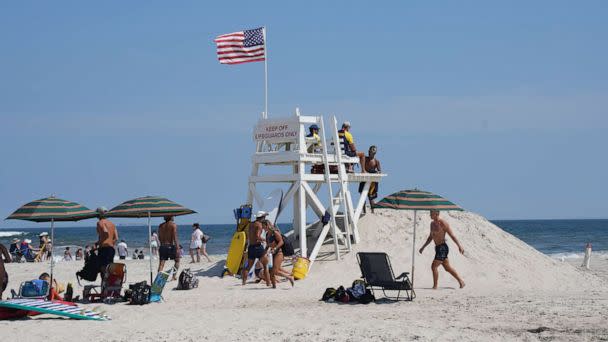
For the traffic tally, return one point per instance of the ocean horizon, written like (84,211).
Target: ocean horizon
(560,239)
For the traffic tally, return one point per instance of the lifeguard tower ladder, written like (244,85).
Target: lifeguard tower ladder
(283,142)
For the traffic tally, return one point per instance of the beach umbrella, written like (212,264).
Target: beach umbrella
(52,209)
(416,200)
(149,206)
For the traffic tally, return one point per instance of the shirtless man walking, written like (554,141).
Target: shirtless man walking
(438,230)
(167,235)
(255,249)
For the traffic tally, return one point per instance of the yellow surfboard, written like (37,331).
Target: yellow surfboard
(235,252)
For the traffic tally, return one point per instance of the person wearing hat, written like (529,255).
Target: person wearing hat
(256,250)
(27,250)
(43,245)
(347,144)
(313,137)
(107,237)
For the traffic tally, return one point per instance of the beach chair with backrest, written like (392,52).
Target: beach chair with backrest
(33,289)
(111,284)
(378,274)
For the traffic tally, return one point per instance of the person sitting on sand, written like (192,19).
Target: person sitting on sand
(67,255)
(347,144)
(438,230)
(140,256)
(168,250)
(135,253)
(255,249)
(107,237)
(53,294)
(275,244)
(5,257)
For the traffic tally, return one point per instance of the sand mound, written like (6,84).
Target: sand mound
(494,260)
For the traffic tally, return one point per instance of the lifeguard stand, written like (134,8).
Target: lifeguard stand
(283,142)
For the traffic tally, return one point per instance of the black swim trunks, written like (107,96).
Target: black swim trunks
(255,251)
(105,256)
(441,252)
(167,252)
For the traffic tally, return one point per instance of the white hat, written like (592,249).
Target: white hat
(102,210)
(43,234)
(27,241)
(346,124)
(15,240)
(261,213)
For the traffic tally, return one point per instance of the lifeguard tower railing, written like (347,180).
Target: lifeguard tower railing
(284,142)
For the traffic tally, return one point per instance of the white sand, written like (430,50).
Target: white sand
(511,288)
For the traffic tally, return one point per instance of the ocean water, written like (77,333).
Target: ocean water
(556,238)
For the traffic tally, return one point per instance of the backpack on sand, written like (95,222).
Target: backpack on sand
(187,280)
(140,293)
(342,295)
(329,294)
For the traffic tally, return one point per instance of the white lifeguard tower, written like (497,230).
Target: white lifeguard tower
(283,142)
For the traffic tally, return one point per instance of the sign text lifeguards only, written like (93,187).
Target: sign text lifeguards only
(276,131)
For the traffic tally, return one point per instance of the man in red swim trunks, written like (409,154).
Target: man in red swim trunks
(438,230)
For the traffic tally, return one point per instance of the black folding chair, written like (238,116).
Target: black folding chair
(378,273)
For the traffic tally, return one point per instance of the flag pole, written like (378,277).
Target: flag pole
(265,74)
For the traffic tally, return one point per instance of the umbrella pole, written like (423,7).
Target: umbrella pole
(150,243)
(414,249)
(52,254)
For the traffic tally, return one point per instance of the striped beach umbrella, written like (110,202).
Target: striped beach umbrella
(52,209)
(416,200)
(149,206)
(152,206)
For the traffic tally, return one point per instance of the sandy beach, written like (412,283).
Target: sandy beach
(513,293)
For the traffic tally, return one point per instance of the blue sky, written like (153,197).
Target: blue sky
(501,107)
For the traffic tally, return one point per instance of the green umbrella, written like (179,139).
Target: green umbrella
(52,209)
(416,200)
(149,206)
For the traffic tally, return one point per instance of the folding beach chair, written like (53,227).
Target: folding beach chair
(111,284)
(377,271)
(33,289)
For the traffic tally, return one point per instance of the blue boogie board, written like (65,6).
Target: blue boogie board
(53,308)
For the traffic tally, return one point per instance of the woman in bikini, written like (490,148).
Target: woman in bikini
(275,243)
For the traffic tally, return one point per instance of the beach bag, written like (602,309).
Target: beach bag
(367,298)
(287,247)
(358,289)
(329,294)
(90,270)
(205,238)
(140,293)
(342,295)
(187,280)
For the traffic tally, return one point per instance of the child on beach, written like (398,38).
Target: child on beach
(438,230)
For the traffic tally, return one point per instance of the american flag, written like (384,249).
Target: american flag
(241,47)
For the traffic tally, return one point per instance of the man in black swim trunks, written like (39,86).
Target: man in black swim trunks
(167,235)
(256,250)
(438,230)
